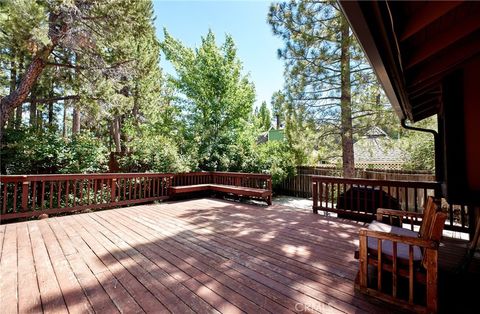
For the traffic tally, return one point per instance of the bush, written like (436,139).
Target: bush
(154,153)
(275,158)
(27,151)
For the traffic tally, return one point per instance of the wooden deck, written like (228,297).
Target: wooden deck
(202,255)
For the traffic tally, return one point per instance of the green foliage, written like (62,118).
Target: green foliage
(275,158)
(47,152)
(214,96)
(420,147)
(263,118)
(154,153)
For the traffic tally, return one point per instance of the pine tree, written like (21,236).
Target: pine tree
(326,72)
(52,32)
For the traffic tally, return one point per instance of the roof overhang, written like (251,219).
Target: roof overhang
(413,45)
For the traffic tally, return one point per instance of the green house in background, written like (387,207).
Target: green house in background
(276,135)
(271,135)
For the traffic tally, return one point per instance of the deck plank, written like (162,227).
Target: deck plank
(28,292)
(50,292)
(8,271)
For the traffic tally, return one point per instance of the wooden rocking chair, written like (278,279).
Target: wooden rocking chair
(401,255)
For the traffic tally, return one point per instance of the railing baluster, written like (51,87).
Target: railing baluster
(5,200)
(406,199)
(89,183)
(15,196)
(67,191)
(74,193)
(95,190)
(51,194)
(415,199)
(59,193)
(34,197)
(42,200)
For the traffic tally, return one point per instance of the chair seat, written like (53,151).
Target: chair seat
(387,245)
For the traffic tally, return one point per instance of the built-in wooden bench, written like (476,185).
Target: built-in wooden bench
(240,184)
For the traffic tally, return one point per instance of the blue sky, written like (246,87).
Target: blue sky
(246,21)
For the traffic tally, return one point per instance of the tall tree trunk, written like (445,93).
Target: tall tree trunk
(116,132)
(51,114)
(33,108)
(64,120)
(19,113)
(18,117)
(39,120)
(13,86)
(346,104)
(75,121)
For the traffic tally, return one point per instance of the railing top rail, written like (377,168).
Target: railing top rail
(242,174)
(195,173)
(77,176)
(371,182)
(80,176)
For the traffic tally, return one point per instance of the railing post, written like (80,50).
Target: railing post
(269,186)
(113,189)
(25,185)
(315,196)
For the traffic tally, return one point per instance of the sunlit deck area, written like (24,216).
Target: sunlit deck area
(204,255)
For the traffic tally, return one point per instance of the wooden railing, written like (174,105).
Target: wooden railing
(359,198)
(192,178)
(33,195)
(300,184)
(251,180)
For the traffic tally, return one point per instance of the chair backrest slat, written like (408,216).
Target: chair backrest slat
(432,224)
(430,209)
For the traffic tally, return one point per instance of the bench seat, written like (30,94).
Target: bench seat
(231,189)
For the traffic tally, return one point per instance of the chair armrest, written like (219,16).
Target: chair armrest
(424,243)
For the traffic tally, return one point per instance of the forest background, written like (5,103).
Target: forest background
(82,91)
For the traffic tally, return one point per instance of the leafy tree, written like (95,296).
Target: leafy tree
(263,118)
(215,97)
(276,158)
(326,72)
(420,147)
